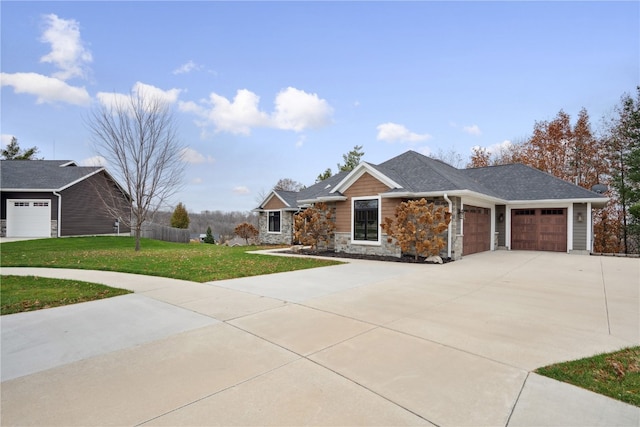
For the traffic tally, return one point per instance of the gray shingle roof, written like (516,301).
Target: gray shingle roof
(322,188)
(521,182)
(41,174)
(289,197)
(416,173)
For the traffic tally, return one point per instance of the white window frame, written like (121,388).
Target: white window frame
(353,212)
(269,222)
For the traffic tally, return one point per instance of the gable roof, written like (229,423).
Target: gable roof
(45,175)
(412,174)
(286,197)
(518,182)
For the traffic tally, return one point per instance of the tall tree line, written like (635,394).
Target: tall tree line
(576,153)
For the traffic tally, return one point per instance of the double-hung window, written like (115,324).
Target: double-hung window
(365,220)
(274,221)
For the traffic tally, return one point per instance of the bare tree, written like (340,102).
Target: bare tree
(288,184)
(136,136)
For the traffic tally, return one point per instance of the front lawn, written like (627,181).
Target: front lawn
(194,262)
(616,375)
(28,293)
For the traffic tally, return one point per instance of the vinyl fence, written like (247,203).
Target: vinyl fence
(167,234)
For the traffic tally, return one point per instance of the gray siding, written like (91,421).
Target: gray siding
(579,228)
(83,210)
(501,226)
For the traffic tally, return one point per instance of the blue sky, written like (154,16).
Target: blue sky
(272,90)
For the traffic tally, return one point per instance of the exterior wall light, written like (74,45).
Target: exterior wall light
(579,216)
(501,217)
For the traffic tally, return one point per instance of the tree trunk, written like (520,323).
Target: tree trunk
(138,232)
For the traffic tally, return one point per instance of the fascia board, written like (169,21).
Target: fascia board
(281,199)
(598,201)
(87,176)
(355,174)
(28,190)
(455,193)
(269,197)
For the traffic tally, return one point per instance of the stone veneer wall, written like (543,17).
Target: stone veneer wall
(343,244)
(285,237)
(457,237)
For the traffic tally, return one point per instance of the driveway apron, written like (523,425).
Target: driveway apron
(363,343)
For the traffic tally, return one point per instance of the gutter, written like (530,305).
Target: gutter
(450,225)
(55,193)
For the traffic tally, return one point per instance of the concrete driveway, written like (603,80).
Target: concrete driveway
(365,343)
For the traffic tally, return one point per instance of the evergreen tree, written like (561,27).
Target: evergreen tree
(180,217)
(209,237)
(14,152)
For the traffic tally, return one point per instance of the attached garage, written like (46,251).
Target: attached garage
(54,198)
(477,230)
(29,218)
(539,229)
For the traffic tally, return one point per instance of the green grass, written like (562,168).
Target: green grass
(194,262)
(616,375)
(28,293)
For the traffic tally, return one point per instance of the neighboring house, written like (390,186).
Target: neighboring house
(53,198)
(510,206)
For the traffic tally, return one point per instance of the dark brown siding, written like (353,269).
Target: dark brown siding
(21,195)
(83,210)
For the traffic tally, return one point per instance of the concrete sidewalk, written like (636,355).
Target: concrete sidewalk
(365,343)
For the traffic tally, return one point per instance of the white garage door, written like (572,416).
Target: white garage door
(29,218)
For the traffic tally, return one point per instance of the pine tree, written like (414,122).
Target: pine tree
(209,237)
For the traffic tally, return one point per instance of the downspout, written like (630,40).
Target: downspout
(450,225)
(55,193)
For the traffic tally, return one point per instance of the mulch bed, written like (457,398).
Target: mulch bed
(331,254)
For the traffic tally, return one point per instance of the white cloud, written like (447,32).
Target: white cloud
(190,155)
(499,147)
(472,130)
(197,181)
(94,161)
(297,110)
(241,189)
(46,89)
(5,139)
(294,110)
(67,49)
(145,91)
(393,132)
(239,115)
(187,68)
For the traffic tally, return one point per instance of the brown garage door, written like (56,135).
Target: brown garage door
(539,229)
(477,230)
